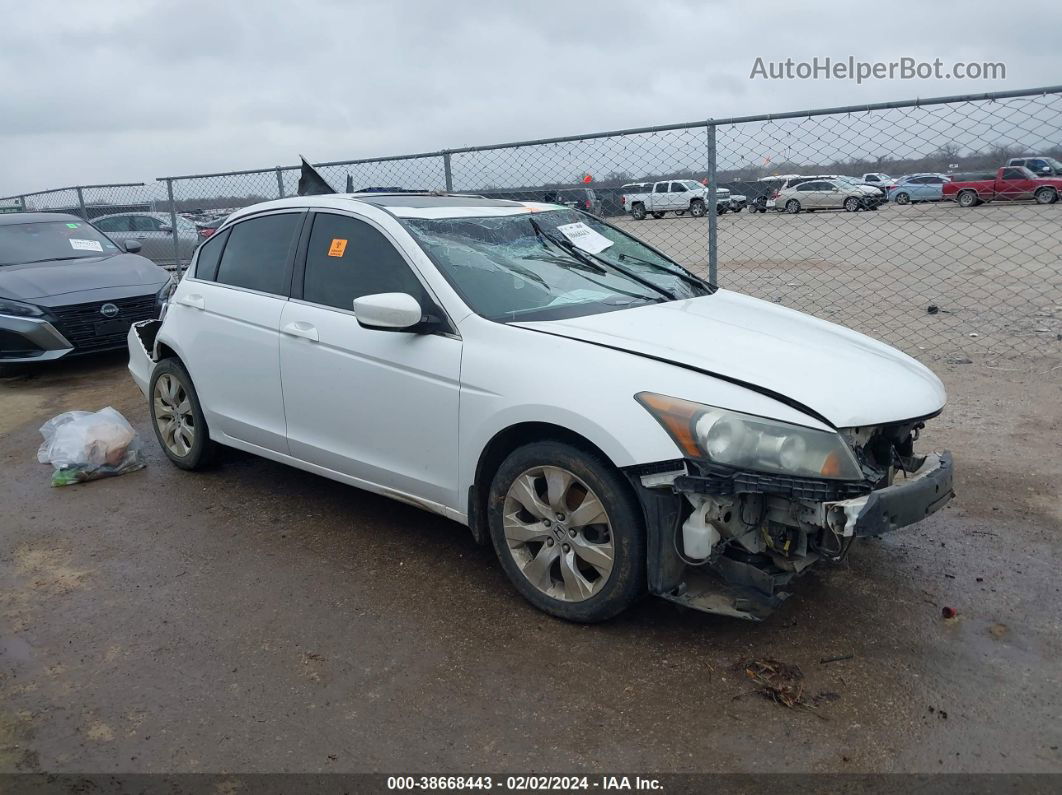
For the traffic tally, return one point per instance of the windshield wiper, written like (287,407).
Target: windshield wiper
(596,261)
(688,277)
(559,244)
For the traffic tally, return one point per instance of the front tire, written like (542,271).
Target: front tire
(567,531)
(177,417)
(697,209)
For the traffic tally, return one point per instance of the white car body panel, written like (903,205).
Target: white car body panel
(847,377)
(409,415)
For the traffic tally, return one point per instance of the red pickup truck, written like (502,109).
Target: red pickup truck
(1011,183)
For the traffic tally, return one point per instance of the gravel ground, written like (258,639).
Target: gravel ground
(258,618)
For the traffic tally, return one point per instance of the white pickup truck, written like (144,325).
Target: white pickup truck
(680,196)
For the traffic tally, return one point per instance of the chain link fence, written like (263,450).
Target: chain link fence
(872,242)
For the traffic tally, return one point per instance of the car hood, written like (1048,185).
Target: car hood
(845,377)
(56,277)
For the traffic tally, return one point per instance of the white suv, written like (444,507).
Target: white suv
(609,421)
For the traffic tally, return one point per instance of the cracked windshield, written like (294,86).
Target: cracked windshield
(539,266)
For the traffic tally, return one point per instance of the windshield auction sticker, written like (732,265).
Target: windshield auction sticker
(86,245)
(584,237)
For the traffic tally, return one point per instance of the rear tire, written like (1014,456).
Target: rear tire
(177,417)
(792,206)
(1046,195)
(638,212)
(567,531)
(658,215)
(967,198)
(902,198)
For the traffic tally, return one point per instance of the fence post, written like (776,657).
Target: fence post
(22,199)
(713,212)
(280,183)
(81,202)
(178,268)
(449,174)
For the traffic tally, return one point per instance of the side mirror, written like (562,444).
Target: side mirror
(166,230)
(388,311)
(132,246)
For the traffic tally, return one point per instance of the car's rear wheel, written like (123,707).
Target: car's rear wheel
(1045,196)
(638,212)
(567,531)
(851,204)
(792,206)
(902,198)
(967,198)
(177,416)
(658,214)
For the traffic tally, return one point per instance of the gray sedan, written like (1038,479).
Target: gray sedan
(154,233)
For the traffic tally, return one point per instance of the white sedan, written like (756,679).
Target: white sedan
(610,422)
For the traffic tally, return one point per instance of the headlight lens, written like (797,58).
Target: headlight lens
(167,290)
(744,441)
(19,309)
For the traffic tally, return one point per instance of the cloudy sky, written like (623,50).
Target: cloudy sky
(110,91)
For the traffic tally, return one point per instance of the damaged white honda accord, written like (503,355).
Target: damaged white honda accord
(609,421)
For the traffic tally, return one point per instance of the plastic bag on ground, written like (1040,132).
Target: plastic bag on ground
(88,445)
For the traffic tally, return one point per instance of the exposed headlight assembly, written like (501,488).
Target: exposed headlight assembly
(19,309)
(752,443)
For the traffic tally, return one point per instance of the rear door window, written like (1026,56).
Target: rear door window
(206,266)
(348,258)
(257,254)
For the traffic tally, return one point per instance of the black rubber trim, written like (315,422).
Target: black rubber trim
(719,480)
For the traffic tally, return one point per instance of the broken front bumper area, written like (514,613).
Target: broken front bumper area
(770,528)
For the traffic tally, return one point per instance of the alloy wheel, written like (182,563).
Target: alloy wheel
(558,533)
(173,415)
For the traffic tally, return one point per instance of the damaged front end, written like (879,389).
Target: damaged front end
(730,541)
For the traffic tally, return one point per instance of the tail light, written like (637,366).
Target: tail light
(774,193)
(588,205)
(623,199)
(204,233)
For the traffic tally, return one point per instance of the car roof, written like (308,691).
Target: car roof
(7,219)
(152,213)
(405,205)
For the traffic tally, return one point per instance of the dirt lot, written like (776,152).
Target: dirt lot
(259,618)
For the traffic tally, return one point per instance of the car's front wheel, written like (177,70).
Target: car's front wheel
(567,531)
(851,204)
(177,416)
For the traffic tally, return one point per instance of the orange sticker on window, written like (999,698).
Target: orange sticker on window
(339,245)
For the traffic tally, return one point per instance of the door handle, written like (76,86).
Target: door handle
(194,301)
(300,328)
